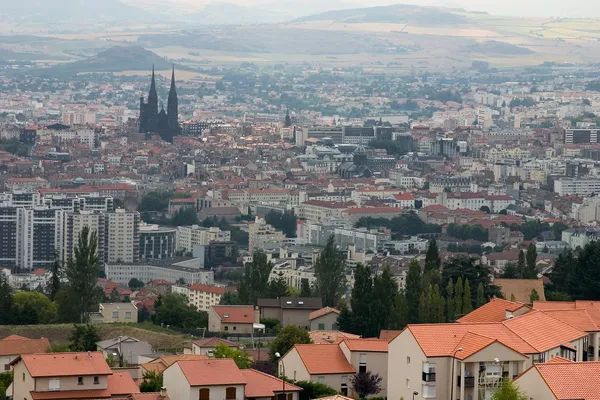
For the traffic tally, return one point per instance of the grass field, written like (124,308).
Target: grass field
(59,333)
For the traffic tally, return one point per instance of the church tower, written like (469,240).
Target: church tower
(173,110)
(152,107)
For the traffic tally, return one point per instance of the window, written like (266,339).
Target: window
(290,396)
(128,314)
(321,327)
(80,380)
(96,380)
(334,327)
(407,360)
(204,394)
(321,379)
(115,314)
(53,384)
(23,376)
(234,328)
(408,383)
(230,393)
(428,391)
(226,328)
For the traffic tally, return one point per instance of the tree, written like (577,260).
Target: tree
(305,290)
(255,281)
(288,119)
(278,287)
(314,390)
(458,297)
(530,271)
(508,391)
(286,339)
(185,216)
(135,284)
(432,257)
(6,379)
(293,291)
(564,274)
(480,296)
(56,273)
(151,382)
(399,313)
(534,296)
(82,271)
(172,309)
(6,301)
(265,366)
(511,271)
(84,338)
(345,320)
(450,302)
(438,306)
(467,305)
(32,308)
(330,275)
(143,314)
(365,384)
(466,268)
(485,209)
(231,299)
(413,291)
(240,357)
(360,302)
(385,290)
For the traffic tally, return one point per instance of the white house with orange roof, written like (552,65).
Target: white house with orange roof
(324,319)
(234,319)
(368,355)
(470,359)
(12,346)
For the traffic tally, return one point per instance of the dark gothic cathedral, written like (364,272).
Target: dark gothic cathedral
(165,123)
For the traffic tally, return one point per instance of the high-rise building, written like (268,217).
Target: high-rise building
(71,225)
(122,236)
(157,242)
(189,237)
(260,233)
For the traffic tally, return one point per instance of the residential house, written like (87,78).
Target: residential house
(323,363)
(13,346)
(561,379)
(161,363)
(497,310)
(324,319)
(470,360)
(124,349)
(61,376)
(115,312)
(205,380)
(330,337)
(233,319)
(207,346)
(368,355)
(263,386)
(290,310)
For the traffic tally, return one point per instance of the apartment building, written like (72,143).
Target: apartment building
(318,210)
(368,355)
(189,237)
(25,184)
(71,224)
(577,186)
(190,271)
(260,233)
(157,242)
(68,376)
(122,236)
(202,297)
(469,360)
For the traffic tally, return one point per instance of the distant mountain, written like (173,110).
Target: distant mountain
(221,13)
(114,59)
(71,11)
(498,48)
(397,13)
(288,9)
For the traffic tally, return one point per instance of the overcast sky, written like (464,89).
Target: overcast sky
(542,8)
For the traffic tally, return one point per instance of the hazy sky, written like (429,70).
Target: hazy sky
(541,8)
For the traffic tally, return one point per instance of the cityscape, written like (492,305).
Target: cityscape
(298,200)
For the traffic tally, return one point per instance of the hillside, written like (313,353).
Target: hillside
(114,59)
(397,13)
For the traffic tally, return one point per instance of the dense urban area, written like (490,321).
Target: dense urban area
(298,231)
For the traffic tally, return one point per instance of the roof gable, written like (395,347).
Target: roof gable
(211,372)
(323,359)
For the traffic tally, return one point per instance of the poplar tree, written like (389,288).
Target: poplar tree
(467,305)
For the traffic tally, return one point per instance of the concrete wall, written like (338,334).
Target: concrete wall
(23,383)
(216,392)
(329,321)
(293,367)
(405,377)
(176,384)
(534,386)
(291,316)
(214,321)
(70,383)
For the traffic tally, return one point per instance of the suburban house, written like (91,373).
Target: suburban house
(233,319)
(290,310)
(323,363)
(470,359)
(330,337)
(263,386)
(497,310)
(161,363)
(60,376)
(124,349)
(561,379)
(115,312)
(368,355)
(13,346)
(324,319)
(207,346)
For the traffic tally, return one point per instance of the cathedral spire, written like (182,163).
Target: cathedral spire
(173,79)
(153,96)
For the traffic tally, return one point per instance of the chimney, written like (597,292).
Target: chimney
(89,355)
(163,392)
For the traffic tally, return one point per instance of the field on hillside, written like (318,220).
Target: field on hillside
(59,333)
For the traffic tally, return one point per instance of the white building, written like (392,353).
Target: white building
(202,297)
(577,186)
(261,233)
(123,273)
(189,237)
(123,236)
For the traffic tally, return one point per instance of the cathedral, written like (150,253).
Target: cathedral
(165,123)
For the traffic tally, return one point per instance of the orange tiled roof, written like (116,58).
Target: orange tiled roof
(162,363)
(578,319)
(388,334)
(554,305)
(65,364)
(120,383)
(322,359)
(321,312)
(72,394)
(235,314)
(213,342)
(207,289)
(212,372)
(330,337)
(264,385)
(494,311)
(16,345)
(374,345)
(571,380)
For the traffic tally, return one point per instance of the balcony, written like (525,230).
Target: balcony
(469,381)
(429,377)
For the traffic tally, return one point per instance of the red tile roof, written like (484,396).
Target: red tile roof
(578,319)
(16,345)
(323,359)
(372,345)
(120,383)
(494,311)
(323,311)
(65,364)
(570,380)
(72,394)
(264,385)
(207,289)
(235,314)
(388,334)
(212,372)
(213,342)
(330,337)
